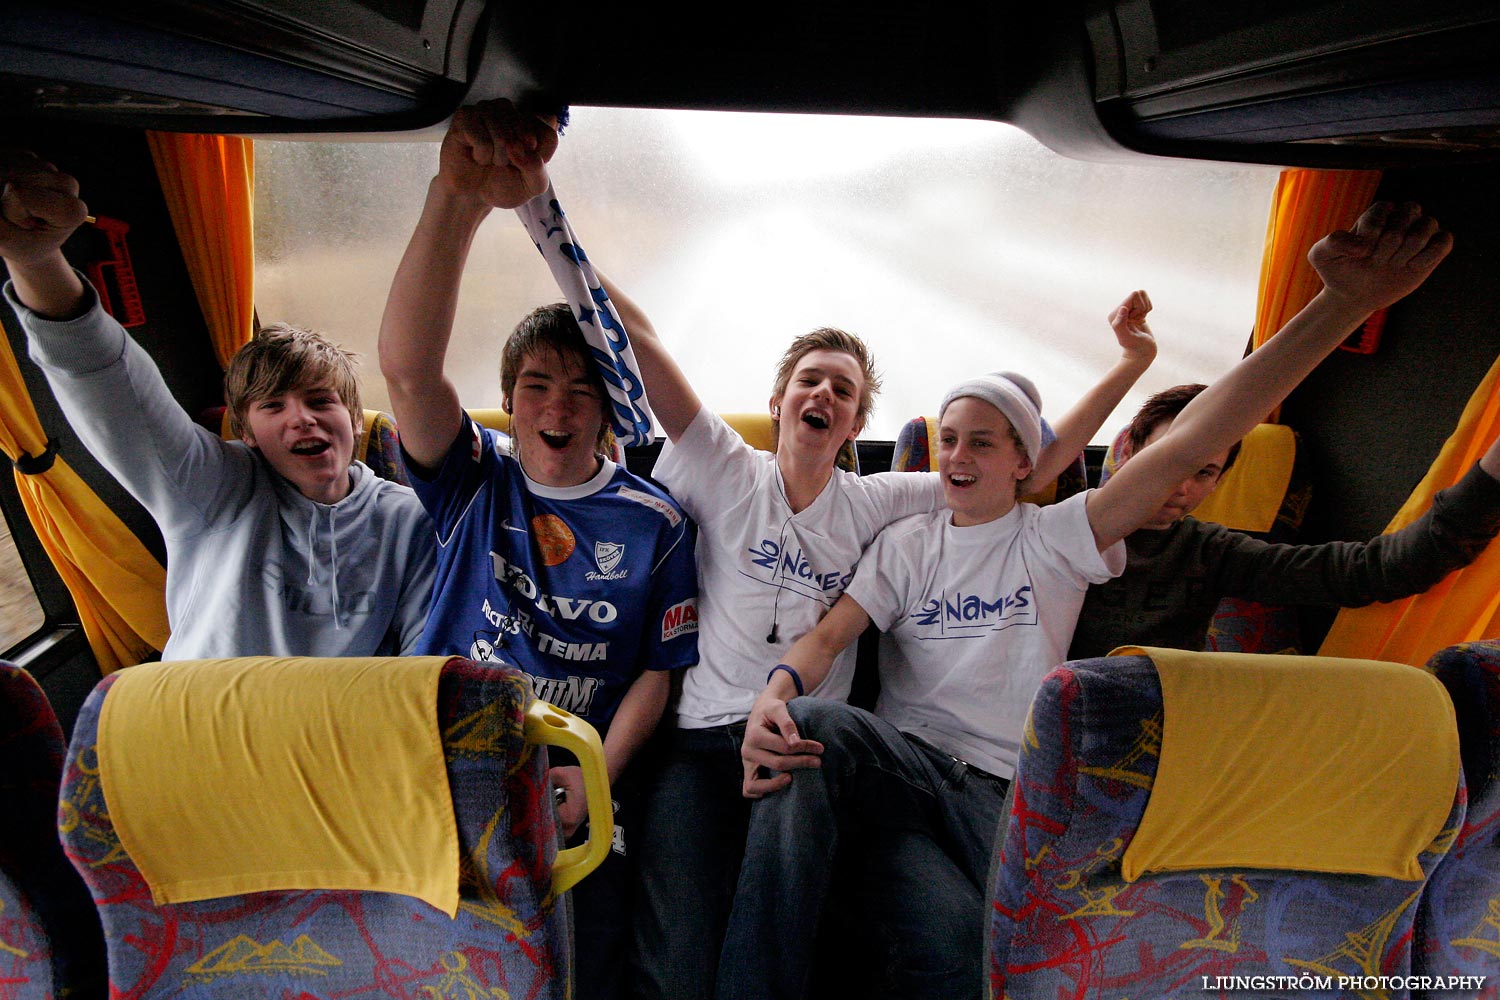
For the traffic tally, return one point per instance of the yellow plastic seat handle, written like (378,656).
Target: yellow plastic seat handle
(551,726)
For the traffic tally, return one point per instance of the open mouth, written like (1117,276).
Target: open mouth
(310,448)
(960,480)
(556,440)
(813,418)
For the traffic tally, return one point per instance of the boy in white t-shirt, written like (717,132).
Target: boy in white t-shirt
(977,607)
(780,535)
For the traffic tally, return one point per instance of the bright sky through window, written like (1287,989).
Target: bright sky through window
(952,247)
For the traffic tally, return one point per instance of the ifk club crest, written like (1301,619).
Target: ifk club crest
(608,556)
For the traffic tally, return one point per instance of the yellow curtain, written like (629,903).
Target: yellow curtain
(1307,205)
(209,184)
(1463,607)
(117,585)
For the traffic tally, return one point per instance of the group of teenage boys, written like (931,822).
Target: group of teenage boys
(540,551)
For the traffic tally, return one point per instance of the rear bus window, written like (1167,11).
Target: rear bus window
(952,247)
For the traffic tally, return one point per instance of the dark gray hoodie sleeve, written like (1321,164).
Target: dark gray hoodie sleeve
(1451,534)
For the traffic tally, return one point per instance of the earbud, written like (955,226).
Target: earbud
(776,412)
(771,637)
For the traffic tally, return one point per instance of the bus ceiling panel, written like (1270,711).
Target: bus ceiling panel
(1345,83)
(240,66)
(830,56)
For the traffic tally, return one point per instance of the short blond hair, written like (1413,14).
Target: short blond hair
(280,358)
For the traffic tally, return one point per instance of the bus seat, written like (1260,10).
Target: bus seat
(50,942)
(382,449)
(1458,919)
(511,933)
(916,451)
(1210,816)
(1264,494)
(756,431)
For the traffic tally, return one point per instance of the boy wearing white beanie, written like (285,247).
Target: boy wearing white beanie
(976,607)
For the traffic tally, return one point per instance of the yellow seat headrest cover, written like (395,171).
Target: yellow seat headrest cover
(225,777)
(1296,762)
(1251,493)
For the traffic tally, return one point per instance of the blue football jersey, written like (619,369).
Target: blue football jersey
(581,587)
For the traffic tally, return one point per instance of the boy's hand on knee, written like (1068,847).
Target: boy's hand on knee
(772,744)
(39,207)
(1388,254)
(496,154)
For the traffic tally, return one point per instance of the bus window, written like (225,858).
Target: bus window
(21,613)
(947,244)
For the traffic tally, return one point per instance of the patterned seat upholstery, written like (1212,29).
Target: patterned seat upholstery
(916,451)
(382,449)
(50,944)
(1239,625)
(1064,922)
(1458,920)
(509,938)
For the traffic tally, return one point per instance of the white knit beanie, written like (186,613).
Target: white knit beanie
(1013,395)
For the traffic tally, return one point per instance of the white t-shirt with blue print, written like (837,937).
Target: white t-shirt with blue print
(974,618)
(759,564)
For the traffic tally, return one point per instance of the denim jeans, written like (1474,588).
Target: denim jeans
(690,841)
(924,825)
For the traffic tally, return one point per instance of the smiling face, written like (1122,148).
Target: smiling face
(1189,493)
(980,460)
(820,408)
(307,435)
(557,417)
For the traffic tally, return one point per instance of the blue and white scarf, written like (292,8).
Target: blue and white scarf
(630,413)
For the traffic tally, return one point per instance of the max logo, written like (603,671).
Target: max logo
(680,619)
(769,555)
(971,610)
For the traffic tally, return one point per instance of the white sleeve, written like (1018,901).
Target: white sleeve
(708,468)
(1066,532)
(882,580)
(902,494)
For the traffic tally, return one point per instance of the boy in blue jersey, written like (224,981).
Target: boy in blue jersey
(550,556)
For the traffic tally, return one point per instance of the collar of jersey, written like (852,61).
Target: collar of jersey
(584,489)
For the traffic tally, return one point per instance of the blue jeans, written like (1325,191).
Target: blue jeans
(689,844)
(924,825)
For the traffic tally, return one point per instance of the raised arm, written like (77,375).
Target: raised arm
(771,738)
(492,157)
(39,210)
(1390,252)
(672,397)
(1078,426)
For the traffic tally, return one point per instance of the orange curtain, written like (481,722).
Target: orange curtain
(1307,205)
(209,184)
(1465,605)
(116,584)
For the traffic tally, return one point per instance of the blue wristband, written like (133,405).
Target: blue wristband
(796,678)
